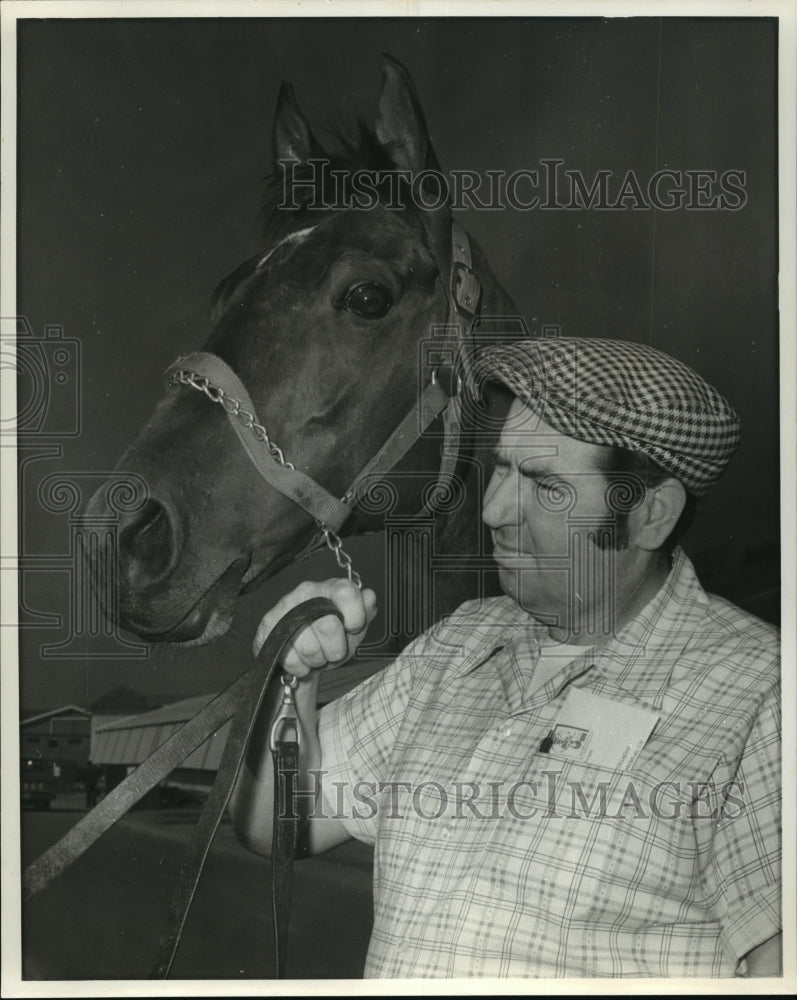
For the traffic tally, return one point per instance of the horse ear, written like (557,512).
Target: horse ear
(292,138)
(400,125)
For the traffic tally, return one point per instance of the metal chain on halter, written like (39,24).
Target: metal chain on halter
(233,407)
(342,558)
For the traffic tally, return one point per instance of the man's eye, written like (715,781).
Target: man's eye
(555,494)
(369,300)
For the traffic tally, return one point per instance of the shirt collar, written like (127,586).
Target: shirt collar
(504,621)
(638,661)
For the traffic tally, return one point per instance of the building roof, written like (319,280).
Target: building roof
(64,710)
(177,711)
(129,741)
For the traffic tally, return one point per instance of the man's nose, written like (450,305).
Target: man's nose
(499,505)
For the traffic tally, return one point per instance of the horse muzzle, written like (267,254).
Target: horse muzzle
(146,581)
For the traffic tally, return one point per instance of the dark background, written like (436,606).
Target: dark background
(142,152)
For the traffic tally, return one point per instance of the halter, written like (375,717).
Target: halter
(212,376)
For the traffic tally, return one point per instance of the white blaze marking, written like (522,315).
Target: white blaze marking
(296,237)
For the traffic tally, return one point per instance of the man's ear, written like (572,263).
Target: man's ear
(652,521)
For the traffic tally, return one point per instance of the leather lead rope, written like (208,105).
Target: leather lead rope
(284,746)
(234,752)
(285,840)
(242,700)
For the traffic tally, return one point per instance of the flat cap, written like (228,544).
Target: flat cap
(614,392)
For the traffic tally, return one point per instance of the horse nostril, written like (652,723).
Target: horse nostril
(146,545)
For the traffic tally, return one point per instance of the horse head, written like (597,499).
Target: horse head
(320,333)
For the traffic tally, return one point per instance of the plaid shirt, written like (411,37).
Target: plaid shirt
(494,857)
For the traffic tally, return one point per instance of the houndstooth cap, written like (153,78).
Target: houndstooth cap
(614,392)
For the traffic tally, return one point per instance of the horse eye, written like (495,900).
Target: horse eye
(369,301)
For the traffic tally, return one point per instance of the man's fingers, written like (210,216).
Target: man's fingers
(326,640)
(304,653)
(348,598)
(331,637)
(304,592)
(369,601)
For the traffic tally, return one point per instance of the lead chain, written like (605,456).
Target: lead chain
(343,560)
(233,406)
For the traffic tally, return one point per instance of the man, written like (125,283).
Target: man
(581,777)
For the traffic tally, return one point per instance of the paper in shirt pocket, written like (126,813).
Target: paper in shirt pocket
(594,729)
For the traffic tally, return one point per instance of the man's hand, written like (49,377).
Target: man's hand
(327,640)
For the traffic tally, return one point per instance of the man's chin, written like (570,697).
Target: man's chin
(522,585)
(521,592)
(517,585)
(509,582)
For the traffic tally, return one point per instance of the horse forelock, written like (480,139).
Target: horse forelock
(354,149)
(357,150)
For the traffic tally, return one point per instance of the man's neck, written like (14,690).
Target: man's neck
(646,579)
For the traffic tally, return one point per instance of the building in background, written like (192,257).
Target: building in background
(122,728)
(119,703)
(121,745)
(61,738)
(61,741)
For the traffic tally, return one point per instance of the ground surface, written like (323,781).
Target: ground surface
(102,918)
